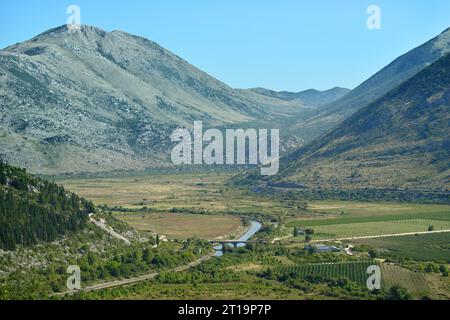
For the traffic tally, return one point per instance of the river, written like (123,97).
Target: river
(254,228)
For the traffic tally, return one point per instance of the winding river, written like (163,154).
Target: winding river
(254,228)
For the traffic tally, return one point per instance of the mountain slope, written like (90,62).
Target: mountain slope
(400,140)
(310,98)
(89,101)
(400,70)
(32,209)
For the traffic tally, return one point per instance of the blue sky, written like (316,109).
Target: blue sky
(282,45)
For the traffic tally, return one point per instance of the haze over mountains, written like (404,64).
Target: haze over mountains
(401,140)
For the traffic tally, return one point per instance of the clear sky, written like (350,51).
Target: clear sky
(282,45)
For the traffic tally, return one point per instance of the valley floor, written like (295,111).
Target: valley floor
(206,206)
(180,211)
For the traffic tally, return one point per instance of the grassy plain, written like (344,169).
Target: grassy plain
(204,205)
(200,191)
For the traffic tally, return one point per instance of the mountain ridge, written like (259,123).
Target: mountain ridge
(309,97)
(65,94)
(383,81)
(401,140)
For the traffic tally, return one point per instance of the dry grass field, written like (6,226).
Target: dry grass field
(183,226)
(200,191)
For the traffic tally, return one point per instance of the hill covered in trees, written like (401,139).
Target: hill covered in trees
(33,209)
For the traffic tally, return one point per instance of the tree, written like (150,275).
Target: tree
(311,249)
(443,269)
(398,293)
(431,228)
(3,178)
(146,255)
(431,268)
(308,238)
(373,254)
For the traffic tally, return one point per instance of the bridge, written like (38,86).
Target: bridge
(235,242)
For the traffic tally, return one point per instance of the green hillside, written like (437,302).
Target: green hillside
(33,210)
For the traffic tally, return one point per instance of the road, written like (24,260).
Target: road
(117,283)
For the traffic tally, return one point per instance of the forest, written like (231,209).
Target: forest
(33,209)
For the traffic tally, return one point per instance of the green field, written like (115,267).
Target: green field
(442,215)
(412,281)
(356,271)
(428,247)
(343,219)
(336,208)
(368,229)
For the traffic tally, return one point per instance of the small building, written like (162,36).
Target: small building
(324,248)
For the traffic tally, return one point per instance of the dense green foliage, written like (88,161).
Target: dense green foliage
(119,262)
(32,209)
(228,277)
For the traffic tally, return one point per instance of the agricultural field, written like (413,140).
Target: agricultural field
(343,212)
(427,247)
(200,192)
(356,271)
(204,204)
(352,270)
(343,219)
(183,226)
(370,229)
(370,209)
(392,275)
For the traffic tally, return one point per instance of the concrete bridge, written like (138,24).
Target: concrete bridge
(234,242)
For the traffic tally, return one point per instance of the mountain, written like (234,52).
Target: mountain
(402,140)
(400,70)
(32,209)
(310,98)
(91,100)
